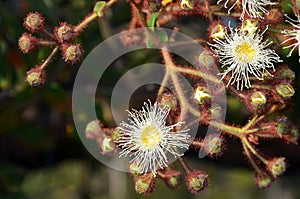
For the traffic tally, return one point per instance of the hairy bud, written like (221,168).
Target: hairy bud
(262,180)
(168,99)
(27,42)
(64,32)
(196,181)
(277,166)
(213,145)
(72,53)
(285,90)
(36,77)
(34,22)
(144,183)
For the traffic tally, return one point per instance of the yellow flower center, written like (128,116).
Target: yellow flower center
(245,52)
(150,137)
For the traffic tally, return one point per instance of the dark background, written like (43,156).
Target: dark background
(41,155)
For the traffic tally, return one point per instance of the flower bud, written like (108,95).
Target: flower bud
(145,183)
(64,32)
(93,129)
(35,77)
(34,22)
(258,100)
(285,90)
(277,166)
(27,42)
(217,30)
(282,125)
(72,53)
(213,145)
(168,99)
(205,59)
(201,94)
(284,72)
(262,180)
(196,181)
(171,178)
(249,27)
(106,145)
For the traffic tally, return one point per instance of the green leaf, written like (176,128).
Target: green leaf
(162,36)
(152,19)
(99,7)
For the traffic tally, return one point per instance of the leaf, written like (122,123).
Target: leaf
(152,19)
(99,7)
(160,34)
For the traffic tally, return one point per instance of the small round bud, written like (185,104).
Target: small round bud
(35,77)
(293,135)
(213,145)
(285,90)
(65,32)
(145,183)
(168,99)
(277,166)
(262,180)
(249,27)
(106,145)
(34,22)
(196,181)
(27,42)
(282,125)
(201,94)
(171,178)
(217,30)
(205,59)
(258,99)
(72,53)
(284,72)
(93,129)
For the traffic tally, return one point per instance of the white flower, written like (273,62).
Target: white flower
(294,35)
(243,54)
(148,140)
(253,8)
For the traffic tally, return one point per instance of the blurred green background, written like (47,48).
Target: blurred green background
(41,155)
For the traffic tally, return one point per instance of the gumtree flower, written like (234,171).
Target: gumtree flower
(243,54)
(147,139)
(253,8)
(294,35)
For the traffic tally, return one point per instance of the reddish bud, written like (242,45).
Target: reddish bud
(277,166)
(72,53)
(65,32)
(205,59)
(171,178)
(27,42)
(284,72)
(144,183)
(168,99)
(34,22)
(213,144)
(262,180)
(35,77)
(201,94)
(258,100)
(93,129)
(196,181)
(285,90)
(217,30)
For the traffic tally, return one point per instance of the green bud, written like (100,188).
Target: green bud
(285,90)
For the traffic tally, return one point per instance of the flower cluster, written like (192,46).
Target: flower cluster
(247,52)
